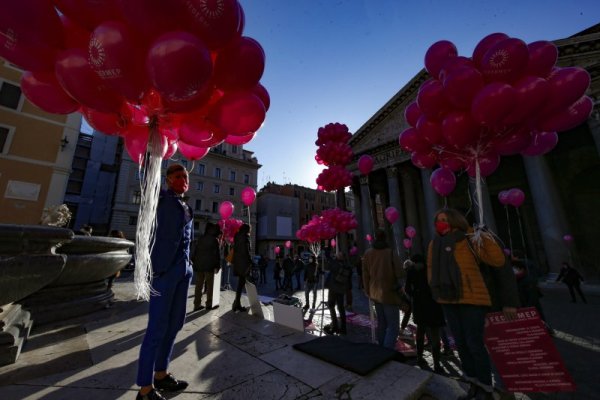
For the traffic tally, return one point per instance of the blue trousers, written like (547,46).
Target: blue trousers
(388,324)
(166,316)
(466,322)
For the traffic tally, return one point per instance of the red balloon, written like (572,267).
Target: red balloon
(33,22)
(488,163)
(461,85)
(179,66)
(516,197)
(567,85)
(240,65)
(198,131)
(443,181)
(192,152)
(505,61)
(411,140)
(151,18)
(75,35)
(248,196)
(542,57)
(136,142)
(503,197)
(238,113)
(541,143)
(89,13)
(215,22)
(431,100)
(493,103)
(454,63)
(106,123)
(532,93)
(226,209)
(485,44)
(450,161)
(437,54)
(412,113)
(512,143)
(459,129)
(171,149)
(423,160)
(429,130)
(365,164)
(571,117)
(111,51)
(79,80)
(44,91)
(260,91)
(29,56)
(239,140)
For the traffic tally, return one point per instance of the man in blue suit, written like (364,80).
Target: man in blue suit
(172,273)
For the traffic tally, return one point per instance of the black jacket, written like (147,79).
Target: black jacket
(207,257)
(242,260)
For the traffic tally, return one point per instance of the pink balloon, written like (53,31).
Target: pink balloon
(516,197)
(277,249)
(353,251)
(44,91)
(261,92)
(412,113)
(568,238)
(248,196)
(179,66)
(503,197)
(240,140)
(411,140)
(111,50)
(423,160)
(332,242)
(410,231)
(368,237)
(407,243)
(485,44)
(443,181)
(226,209)
(238,113)
(453,64)
(542,57)
(107,123)
(461,85)
(459,129)
(288,244)
(391,214)
(541,143)
(429,130)
(192,152)
(505,61)
(365,164)
(488,163)
(493,103)
(240,65)
(512,142)
(81,82)
(198,131)
(532,94)
(450,161)
(567,85)
(437,54)
(506,252)
(571,117)
(431,99)
(215,22)
(136,142)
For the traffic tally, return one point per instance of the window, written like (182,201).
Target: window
(246,178)
(234,149)
(201,168)
(215,207)
(216,188)
(198,205)
(232,191)
(10,95)
(136,198)
(245,211)
(200,186)
(4,142)
(217,172)
(232,176)
(133,220)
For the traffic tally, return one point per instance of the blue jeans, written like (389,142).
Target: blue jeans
(466,322)
(388,324)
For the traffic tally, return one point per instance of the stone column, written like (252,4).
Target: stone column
(549,211)
(432,201)
(394,193)
(412,214)
(365,208)
(594,125)
(342,237)
(360,235)
(488,213)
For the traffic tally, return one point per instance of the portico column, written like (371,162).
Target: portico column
(488,214)
(549,211)
(594,125)
(394,192)
(360,235)
(412,215)
(365,207)
(432,201)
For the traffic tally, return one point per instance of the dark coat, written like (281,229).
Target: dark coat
(242,260)
(207,257)
(426,311)
(333,281)
(570,276)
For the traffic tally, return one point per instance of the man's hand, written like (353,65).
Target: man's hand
(510,313)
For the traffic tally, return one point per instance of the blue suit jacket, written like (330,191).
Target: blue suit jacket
(173,233)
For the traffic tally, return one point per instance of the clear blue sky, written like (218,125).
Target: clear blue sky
(342,60)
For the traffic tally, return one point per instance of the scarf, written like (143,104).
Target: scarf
(445,273)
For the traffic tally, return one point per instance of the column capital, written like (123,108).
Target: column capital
(364,180)
(392,172)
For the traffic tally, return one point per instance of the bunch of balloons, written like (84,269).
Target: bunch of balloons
(315,230)
(180,68)
(335,153)
(229,228)
(514,197)
(507,98)
(340,220)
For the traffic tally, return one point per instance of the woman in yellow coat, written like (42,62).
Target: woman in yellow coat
(457,283)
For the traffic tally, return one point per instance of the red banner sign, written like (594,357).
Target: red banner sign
(524,353)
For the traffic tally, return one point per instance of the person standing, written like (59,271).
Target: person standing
(572,278)
(171,276)
(383,280)
(338,281)
(207,263)
(277,272)
(298,269)
(310,283)
(262,264)
(242,262)
(457,282)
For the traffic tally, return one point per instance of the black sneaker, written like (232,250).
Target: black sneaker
(170,384)
(151,395)
(199,308)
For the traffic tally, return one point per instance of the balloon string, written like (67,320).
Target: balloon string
(521,230)
(478,192)
(509,230)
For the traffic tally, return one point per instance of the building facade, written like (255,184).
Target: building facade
(562,188)
(36,149)
(219,176)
